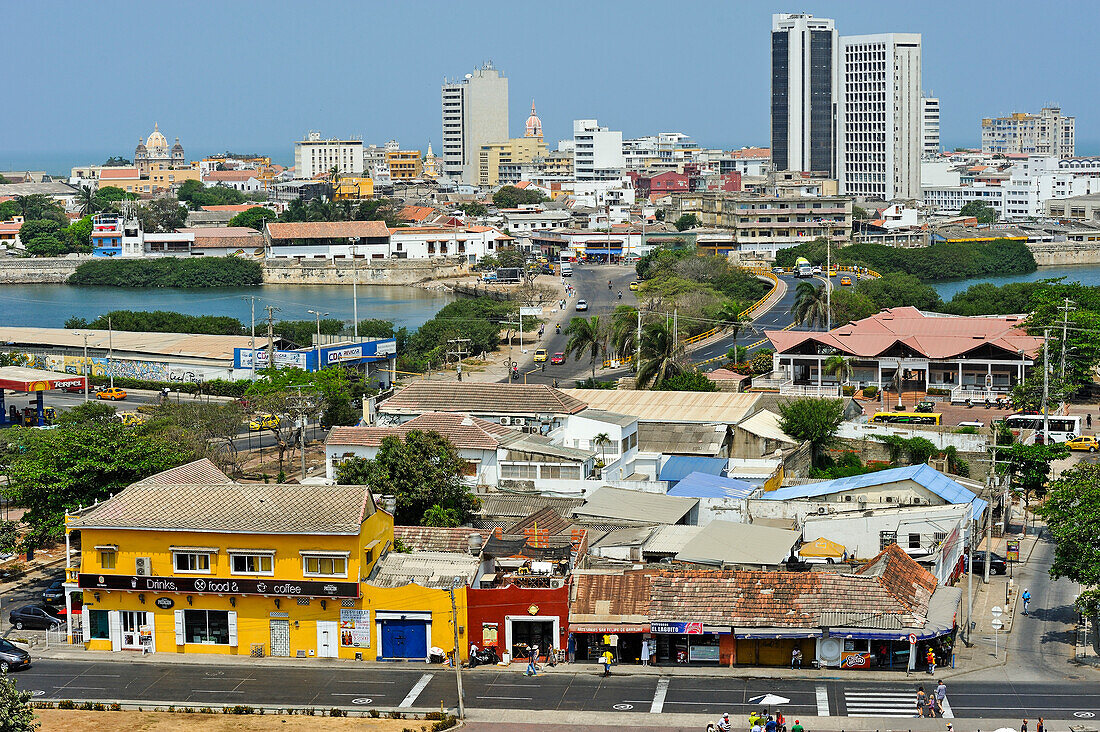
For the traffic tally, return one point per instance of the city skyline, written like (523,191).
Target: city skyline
(244,89)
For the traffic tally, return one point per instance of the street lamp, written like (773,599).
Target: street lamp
(319,315)
(85,363)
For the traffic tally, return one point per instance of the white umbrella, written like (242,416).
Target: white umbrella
(771,700)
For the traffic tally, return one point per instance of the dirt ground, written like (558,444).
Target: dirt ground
(57,720)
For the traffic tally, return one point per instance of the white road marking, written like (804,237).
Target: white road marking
(82,688)
(352,681)
(518,698)
(822,701)
(947,713)
(659,696)
(898,703)
(359,694)
(415,691)
(213,691)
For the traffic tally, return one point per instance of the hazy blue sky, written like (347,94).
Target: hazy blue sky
(84,80)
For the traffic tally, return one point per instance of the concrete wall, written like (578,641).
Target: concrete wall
(1064,252)
(380,272)
(37,271)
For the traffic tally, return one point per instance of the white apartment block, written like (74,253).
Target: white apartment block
(804,93)
(314,155)
(597,152)
(930,125)
(879,127)
(1046,133)
(475,113)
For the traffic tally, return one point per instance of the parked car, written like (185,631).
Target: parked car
(557,358)
(12,657)
(131,419)
(540,355)
(264,422)
(35,616)
(111,392)
(582,305)
(633,285)
(997,563)
(1084,442)
(55,592)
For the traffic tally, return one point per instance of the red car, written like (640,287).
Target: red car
(558,357)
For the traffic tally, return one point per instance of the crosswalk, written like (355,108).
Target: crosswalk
(880,702)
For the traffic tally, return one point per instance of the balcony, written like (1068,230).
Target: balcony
(810,390)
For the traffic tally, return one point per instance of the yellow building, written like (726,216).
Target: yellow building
(404,164)
(353,187)
(500,161)
(160,176)
(189,562)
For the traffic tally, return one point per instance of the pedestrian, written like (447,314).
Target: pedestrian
(571,648)
(797,727)
(796,658)
(930,657)
(1023,726)
(459,370)
(1088,420)
(1039,725)
(532,665)
(920,702)
(1026,597)
(931,706)
(606,659)
(645,652)
(770,725)
(941,696)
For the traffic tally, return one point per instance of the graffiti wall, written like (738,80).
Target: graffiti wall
(149,370)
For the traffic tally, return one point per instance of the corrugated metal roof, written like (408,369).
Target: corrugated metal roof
(725,542)
(704,485)
(670,539)
(766,424)
(156,344)
(436,570)
(678,467)
(670,406)
(626,505)
(681,439)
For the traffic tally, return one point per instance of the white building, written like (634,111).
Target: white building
(804,93)
(475,113)
(1046,133)
(314,155)
(930,125)
(879,123)
(597,152)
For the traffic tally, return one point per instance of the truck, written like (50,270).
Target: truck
(566,269)
(509,274)
(803,268)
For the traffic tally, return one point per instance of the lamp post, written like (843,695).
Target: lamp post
(319,315)
(252,338)
(85,364)
(110,351)
(354,293)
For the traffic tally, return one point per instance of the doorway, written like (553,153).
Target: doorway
(326,638)
(280,637)
(132,621)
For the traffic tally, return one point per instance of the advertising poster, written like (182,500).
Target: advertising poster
(355,628)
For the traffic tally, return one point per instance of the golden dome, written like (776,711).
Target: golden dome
(156,139)
(533,127)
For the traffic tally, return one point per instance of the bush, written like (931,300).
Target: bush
(849,390)
(334,712)
(870,392)
(190,273)
(214,387)
(966,431)
(66,704)
(939,392)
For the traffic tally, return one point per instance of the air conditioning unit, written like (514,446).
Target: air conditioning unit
(861,500)
(506,420)
(822,510)
(143,567)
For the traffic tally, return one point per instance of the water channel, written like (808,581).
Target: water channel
(1086,274)
(49,306)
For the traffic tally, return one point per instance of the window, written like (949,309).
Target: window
(252,563)
(914,541)
(191,562)
(206,626)
(560,472)
(327,566)
(107,558)
(519,471)
(886,538)
(97,624)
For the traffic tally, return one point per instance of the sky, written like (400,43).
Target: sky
(84,80)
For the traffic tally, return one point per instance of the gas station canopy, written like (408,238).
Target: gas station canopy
(18,378)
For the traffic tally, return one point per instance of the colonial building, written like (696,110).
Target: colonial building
(155,152)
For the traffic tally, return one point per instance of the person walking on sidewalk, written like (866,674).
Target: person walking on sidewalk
(796,658)
(931,706)
(797,727)
(941,696)
(1039,726)
(532,662)
(920,702)
(1088,420)
(571,649)
(605,657)
(931,658)
(1023,726)
(1026,597)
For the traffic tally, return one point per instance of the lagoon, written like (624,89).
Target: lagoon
(1086,274)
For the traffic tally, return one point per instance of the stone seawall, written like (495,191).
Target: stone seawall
(1065,252)
(37,271)
(380,272)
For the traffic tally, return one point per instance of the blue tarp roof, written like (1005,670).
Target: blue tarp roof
(924,475)
(704,485)
(680,466)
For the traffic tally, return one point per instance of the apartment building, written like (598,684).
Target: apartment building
(404,164)
(879,125)
(475,113)
(930,125)
(597,152)
(804,93)
(1046,133)
(315,155)
(501,163)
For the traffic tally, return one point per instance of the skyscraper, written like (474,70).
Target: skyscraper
(475,113)
(879,124)
(804,93)
(930,124)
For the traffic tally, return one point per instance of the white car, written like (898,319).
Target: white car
(582,304)
(817,270)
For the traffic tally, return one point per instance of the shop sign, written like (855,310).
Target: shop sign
(219,585)
(337,355)
(1012,550)
(677,628)
(355,628)
(855,659)
(703,653)
(165,603)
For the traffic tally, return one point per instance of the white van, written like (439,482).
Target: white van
(566,269)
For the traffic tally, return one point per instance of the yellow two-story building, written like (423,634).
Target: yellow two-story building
(170,566)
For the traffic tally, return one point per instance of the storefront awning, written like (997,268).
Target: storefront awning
(777,632)
(609,627)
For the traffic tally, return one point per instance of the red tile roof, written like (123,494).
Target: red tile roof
(112,173)
(415,213)
(725,375)
(752,152)
(930,334)
(328,230)
(436,538)
(626,593)
(466,433)
(215,237)
(475,398)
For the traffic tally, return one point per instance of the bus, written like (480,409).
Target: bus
(1062,428)
(907,418)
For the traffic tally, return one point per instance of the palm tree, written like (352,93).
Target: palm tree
(85,198)
(662,355)
(601,441)
(810,305)
(586,336)
(731,318)
(624,331)
(838,366)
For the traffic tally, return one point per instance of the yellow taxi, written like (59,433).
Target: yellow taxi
(845,280)
(264,422)
(113,393)
(131,419)
(540,355)
(1084,442)
(832,273)
(633,285)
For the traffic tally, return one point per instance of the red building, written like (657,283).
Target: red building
(513,618)
(670,182)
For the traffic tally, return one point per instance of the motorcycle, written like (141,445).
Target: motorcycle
(620,294)
(484,657)
(609,285)
(557,329)
(515,373)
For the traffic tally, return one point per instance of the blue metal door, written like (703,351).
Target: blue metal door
(404,639)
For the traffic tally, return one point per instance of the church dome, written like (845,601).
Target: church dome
(177,147)
(534,124)
(156,140)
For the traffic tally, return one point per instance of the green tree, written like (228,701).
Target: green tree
(623,337)
(54,471)
(731,317)
(78,235)
(40,206)
(191,272)
(810,305)
(206,429)
(838,366)
(511,257)
(899,290)
(39,228)
(858,212)
(46,245)
(600,442)
(813,420)
(693,380)
(302,332)
(376,328)
(662,355)
(9,210)
(474,209)
(9,536)
(979,209)
(254,218)
(849,306)
(511,197)
(16,714)
(88,412)
(687,221)
(162,214)
(86,200)
(118,160)
(586,336)
(1028,467)
(423,472)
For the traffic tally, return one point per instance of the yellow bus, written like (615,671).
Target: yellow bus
(907,418)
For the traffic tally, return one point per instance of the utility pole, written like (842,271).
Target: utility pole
(828,282)
(675,327)
(1066,308)
(110,351)
(271,310)
(318,313)
(990,481)
(457,656)
(1046,386)
(252,339)
(354,294)
(86,369)
(638,345)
